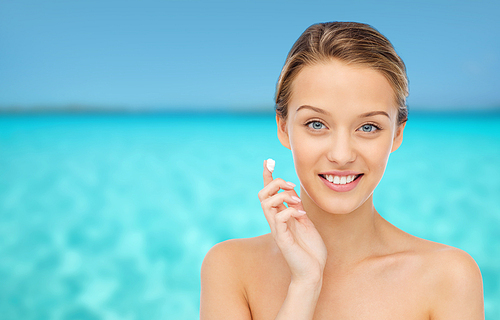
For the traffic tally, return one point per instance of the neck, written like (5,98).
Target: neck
(349,237)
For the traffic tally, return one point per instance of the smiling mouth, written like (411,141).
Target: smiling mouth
(340,179)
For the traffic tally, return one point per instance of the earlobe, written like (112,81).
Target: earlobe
(282,132)
(398,137)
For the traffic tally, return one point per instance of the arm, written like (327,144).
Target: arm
(222,293)
(300,301)
(459,291)
(299,242)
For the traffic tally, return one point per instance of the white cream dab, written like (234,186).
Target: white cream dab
(270,163)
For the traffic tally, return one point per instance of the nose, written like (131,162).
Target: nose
(341,150)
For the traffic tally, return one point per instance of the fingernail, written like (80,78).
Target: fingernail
(290,184)
(270,164)
(296,198)
(302,212)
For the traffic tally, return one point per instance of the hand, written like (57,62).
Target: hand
(294,233)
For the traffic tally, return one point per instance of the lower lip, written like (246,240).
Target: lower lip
(341,187)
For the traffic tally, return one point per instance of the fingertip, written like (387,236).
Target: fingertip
(269,164)
(297,205)
(300,215)
(268,175)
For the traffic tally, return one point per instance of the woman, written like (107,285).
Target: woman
(341,110)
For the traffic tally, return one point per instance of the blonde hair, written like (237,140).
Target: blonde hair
(350,42)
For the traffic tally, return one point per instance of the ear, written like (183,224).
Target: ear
(283,132)
(398,137)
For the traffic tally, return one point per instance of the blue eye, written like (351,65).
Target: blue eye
(369,128)
(316,125)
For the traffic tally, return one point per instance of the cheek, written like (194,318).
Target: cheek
(299,150)
(379,154)
(305,152)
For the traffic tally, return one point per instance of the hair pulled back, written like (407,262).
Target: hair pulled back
(349,42)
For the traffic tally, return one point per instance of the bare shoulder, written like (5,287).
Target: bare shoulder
(224,272)
(436,258)
(455,264)
(454,269)
(442,263)
(452,280)
(446,263)
(237,253)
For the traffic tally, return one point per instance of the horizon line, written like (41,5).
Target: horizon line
(258,108)
(201,111)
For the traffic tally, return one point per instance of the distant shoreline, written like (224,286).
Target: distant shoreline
(82,109)
(127,113)
(132,110)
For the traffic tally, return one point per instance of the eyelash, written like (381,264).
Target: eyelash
(308,124)
(377,128)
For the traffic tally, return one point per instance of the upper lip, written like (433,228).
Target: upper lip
(341,173)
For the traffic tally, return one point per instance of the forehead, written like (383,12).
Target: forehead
(336,85)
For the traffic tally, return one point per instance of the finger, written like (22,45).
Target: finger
(268,175)
(282,217)
(275,204)
(278,200)
(273,187)
(269,213)
(296,205)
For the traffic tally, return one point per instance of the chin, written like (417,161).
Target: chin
(339,207)
(339,203)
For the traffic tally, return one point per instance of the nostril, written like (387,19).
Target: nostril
(341,156)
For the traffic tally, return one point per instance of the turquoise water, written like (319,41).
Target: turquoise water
(110,216)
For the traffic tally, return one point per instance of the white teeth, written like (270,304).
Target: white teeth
(340,179)
(343,180)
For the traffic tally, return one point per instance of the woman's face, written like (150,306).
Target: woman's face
(341,126)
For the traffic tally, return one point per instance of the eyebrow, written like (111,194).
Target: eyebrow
(319,110)
(364,115)
(374,113)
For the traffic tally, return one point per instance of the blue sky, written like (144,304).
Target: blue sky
(228,54)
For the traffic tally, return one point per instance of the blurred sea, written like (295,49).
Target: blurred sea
(110,216)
